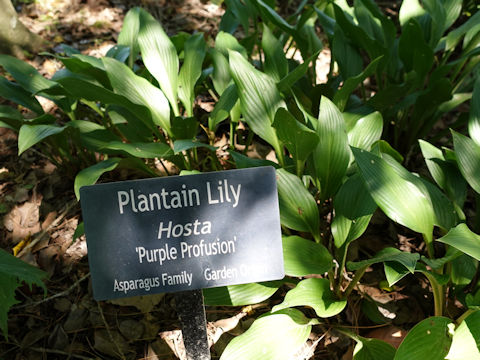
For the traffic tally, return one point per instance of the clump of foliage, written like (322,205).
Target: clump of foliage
(339,146)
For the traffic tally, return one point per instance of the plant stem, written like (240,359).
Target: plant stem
(438,294)
(344,248)
(358,275)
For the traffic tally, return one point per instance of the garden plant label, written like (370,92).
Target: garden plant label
(182,233)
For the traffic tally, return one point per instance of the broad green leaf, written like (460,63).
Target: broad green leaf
(276,64)
(474,121)
(304,257)
(184,127)
(221,77)
(222,108)
(441,279)
(298,209)
(429,339)
(298,139)
(119,52)
(345,230)
(89,66)
(142,150)
(345,54)
(353,199)
(10,117)
(30,135)
(372,349)
(365,131)
(468,159)
(243,162)
(463,239)
(13,272)
(25,75)
(454,36)
(415,53)
(90,175)
(409,260)
(466,339)
(14,92)
(394,272)
(341,97)
(159,56)
(224,42)
(436,264)
(316,294)
(396,193)
(182,145)
(445,174)
(332,155)
(259,99)
(194,53)
(129,33)
(286,83)
(139,91)
(239,295)
(275,336)
(410,9)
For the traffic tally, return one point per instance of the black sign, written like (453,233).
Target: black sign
(182,232)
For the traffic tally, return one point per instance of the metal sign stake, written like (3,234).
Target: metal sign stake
(191,312)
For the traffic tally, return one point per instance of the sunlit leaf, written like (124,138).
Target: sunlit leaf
(194,53)
(276,64)
(159,56)
(463,239)
(474,121)
(466,339)
(468,159)
(365,131)
(316,294)
(304,257)
(139,91)
(30,135)
(142,150)
(238,295)
(396,193)
(129,33)
(429,339)
(409,260)
(275,336)
(332,155)
(298,209)
(259,98)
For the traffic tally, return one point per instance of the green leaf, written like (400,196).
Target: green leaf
(30,135)
(454,36)
(14,92)
(90,175)
(221,77)
(13,272)
(298,209)
(159,56)
(274,336)
(10,117)
(276,64)
(410,9)
(396,193)
(25,75)
(332,155)
(316,294)
(345,230)
(463,239)
(239,295)
(142,150)
(298,139)
(225,42)
(286,83)
(222,108)
(349,60)
(474,121)
(414,51)
(365,131)
(394,272)
(466,339)
(243,162)
(139,91)
(353,199)
(372,349)
(194,53)
(304,257)
(182,145)
(409,260)
(184,127)
(468,159)
(429,339)
(341,97)
(129,33)
(445,174)
(259,99)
